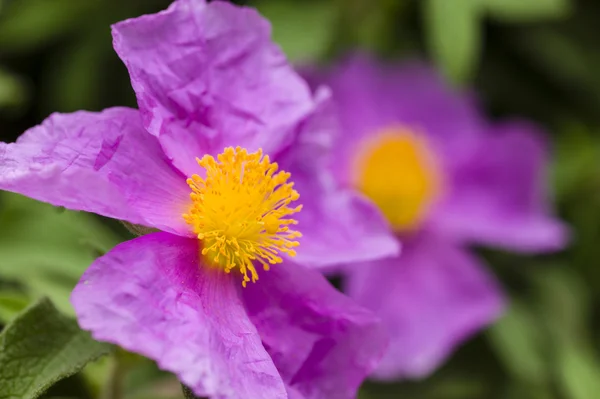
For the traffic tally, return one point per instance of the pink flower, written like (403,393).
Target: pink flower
(443,178)
(212,92)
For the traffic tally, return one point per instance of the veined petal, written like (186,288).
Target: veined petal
(151,296)
(431,299)
(498,194)
(208,76)
(102,162)
(322,343)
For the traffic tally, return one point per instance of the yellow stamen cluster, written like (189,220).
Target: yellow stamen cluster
(240,211)
(396,169)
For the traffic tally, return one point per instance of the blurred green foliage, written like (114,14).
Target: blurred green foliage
(44,250)
(537,59)
(454,28)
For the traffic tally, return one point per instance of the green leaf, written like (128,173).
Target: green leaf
(302,29)
(575,161)
(40,347)
(11,303)
(579,372)
(14,91)
(527,10)
(47,251)
(518,341)
(565,301)
(564,304)
(525,391)
(453,34)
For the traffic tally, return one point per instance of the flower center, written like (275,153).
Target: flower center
(240,211)
(395,170)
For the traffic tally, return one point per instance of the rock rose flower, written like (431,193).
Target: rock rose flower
(222,159)
(444,178)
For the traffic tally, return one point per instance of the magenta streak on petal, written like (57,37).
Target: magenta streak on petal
(109,148)
(104,163)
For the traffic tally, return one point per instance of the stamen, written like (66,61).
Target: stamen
(397,170)
(240,212)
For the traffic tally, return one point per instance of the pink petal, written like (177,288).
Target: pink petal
(338,224)
(322,343)
(208,76)
(498,194)
(151,296)
(103,162)
(431,299)
(371,96)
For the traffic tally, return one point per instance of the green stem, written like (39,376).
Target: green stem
(113,388)
(138,230)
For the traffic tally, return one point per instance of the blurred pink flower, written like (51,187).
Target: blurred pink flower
(443,178)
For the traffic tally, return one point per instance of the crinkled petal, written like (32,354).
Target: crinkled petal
(151,296)
(102,162)
(208,76)
(431,299)
(338,224)
(498,194)
(372,96)
(322,343)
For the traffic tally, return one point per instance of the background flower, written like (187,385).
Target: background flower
(443,178)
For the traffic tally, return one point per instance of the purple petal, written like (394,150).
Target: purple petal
(208,76)
(498,195)
(372,96)
(151,296)
(104,163)
(322,343)
(431,299)
(338,225)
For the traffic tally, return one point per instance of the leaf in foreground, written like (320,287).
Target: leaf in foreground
(40,347)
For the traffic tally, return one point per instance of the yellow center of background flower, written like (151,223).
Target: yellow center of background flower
(240,211)
(395,170)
